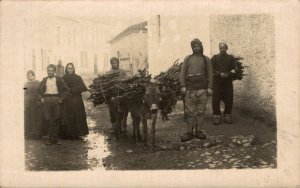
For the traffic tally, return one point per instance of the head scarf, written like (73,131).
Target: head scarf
(30,72)
(67,67)
(114,59)
(197,41)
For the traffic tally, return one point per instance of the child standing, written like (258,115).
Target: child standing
(53,91)
(33,119)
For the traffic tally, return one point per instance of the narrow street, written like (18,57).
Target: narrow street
(227,146)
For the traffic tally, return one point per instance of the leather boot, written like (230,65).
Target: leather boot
(217,119)
(228,119)
(200,135)
(187,137)
(112,131)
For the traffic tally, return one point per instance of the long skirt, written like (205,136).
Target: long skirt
(73,117)
(33,120)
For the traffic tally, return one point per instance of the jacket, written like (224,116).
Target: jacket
(62,88)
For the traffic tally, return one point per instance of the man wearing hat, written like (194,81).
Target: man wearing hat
(196,84)
(223,69)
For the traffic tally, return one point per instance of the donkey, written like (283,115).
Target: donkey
(143,110)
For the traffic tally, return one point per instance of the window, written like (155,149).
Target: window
(95,64)
(42,60)
(33,60)
(83,59)
(58,35)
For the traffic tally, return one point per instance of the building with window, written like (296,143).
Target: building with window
(131,47)
(80,41)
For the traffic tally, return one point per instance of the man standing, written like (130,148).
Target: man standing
(52,91)
(60,69)
(118,112)
(196,84)
(223,69)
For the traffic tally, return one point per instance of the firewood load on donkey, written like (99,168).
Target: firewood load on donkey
(136,95)
(146,109)
(143,106)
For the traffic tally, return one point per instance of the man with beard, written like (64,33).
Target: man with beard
(223,68)
(196,84)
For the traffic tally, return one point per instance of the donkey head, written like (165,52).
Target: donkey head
(152,96)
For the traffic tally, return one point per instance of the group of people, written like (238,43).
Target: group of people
(201,77)
(54,106)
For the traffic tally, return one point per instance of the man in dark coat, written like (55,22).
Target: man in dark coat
(223,68)
(52,90)
(196,85)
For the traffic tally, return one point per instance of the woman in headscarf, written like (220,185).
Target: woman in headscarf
(74,124)
(33,119)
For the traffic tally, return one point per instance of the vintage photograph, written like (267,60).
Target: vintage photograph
(155,92)
(120,88)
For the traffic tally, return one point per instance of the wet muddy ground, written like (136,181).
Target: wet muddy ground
(101,151)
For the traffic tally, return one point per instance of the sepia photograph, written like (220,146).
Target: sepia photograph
(141,87)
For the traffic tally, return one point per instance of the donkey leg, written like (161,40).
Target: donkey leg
(118,126)
(138,121)
(134,129)
(153,118)
(145,130)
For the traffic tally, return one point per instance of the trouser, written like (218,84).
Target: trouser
(52,115)
(222,91)
(195,106)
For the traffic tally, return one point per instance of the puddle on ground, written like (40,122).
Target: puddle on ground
(98,147)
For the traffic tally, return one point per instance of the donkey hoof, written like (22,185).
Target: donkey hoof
(145,147)
(154,148)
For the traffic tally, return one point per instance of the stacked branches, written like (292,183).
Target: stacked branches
(239,75)
(115,85)
(171,78)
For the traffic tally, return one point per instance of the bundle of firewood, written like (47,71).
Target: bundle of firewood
(171,77)
(106,86)
(239,75)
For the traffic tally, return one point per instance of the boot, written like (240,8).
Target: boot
(228,119)
(50,141)
(112,131)
(187,137)
(190,126)
(56,141)
(217,119)
(200,135)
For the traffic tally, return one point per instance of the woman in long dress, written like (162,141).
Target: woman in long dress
(33,119)
(74,124)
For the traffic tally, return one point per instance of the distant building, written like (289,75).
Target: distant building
(80,41)
(131,47)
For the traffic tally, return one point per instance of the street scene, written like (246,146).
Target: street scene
(100,150)
(144,93)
